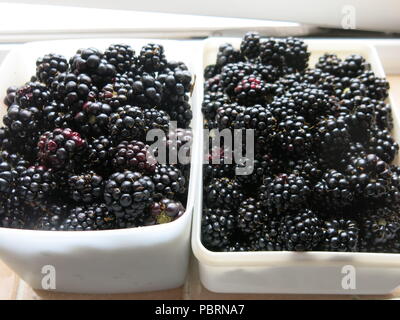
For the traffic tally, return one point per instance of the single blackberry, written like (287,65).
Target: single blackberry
(268,73)
(61,149)
(284,192)
(210,71)
(86,218)
(250,90)
(50,216)
(33,94)
(127,123)
(250,216)
(35,184)
(369,176)
(22,122)
(146,91)
(90,61)
(254,171)
(121,56)
(273,52)
(330,63)
(228,114)
(294,136)
(181,113)
(49,66)
(175,85)
(227,54)
(99,154)
(301,231)
(355,150)
(117,93)
(283,107)
(268,238)
(377,88)
(311,168)
(340,235)
(73,90)
(333,191)
(8,176)
(168,181)
(87,187)
(57,115)
(217,227)
(353,66)
(152,58)
(134,156)
(223,192)
(258,118)
(232,73)
(10,95)
(173,66)
(219,164)
(382,144)
(166,210)
(213,84)
(296,55)
(250,46)
(350,89)
(211,102)
(93,119)
(156,119)
(383,116)
(128,194)
(13,213)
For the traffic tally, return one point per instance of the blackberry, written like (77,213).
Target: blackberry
(35,184)
(301,231)
(152,58)
(117,93)
(268,73)
(121,56)
(87,187)
(173,66)
(294,136)
(175,85)
(250,90)
(383,116)
(330,63)
(33,94)
(99,154)
(340,235)
(22,122)
(255,171)
(13,213)
(268,238)
(333,191)
(258,118)
(232,73)
(210,71)
(283,107)
(297,54)
(90,61)
(213,84)
(220,164)
(146,91)
(250,46)
(61,149)
(351,89)
(236,246)
(134,156)
(228,114)
(250,216)
(273,52)
(383,145)
(168,181)
(227,54)
(57,115)
(353,66)
(127,123)
(156,119)
(10,96)
(211,102)
(284,192)
(377,88)
(223,192)
(8,176)
(217,226)
(181,113)
(166,210)
(128,194)
(369,176)
(93,119)
(86,218)
(49,66)
(50,216)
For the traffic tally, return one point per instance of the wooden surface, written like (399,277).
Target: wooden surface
(13,288)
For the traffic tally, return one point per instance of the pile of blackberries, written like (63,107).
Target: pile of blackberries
(73,149)
(323,176)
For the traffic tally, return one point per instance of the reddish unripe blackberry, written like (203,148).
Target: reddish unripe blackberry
(250,90)
(33,94)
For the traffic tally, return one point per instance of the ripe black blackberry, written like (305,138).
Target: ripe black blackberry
(86,187)
(259,118)
(382,144)
(152,58)
(181,113)
(227,54)
(213,84)
(228,114)
(353,66)
(223,193)
(350,89)
(217,227)
(128,194)
(250,46)
(232,73)
(50,216)
(311,168)
(117,93)
(296,55)
(166,210)
(175,85)
(22,122)
(49,66)
(333,191)
(301,231)
(250,90)
(294,136)
(8,176)
(210,71)
(253,172)
(85,218)
(156,119)
(146,91)
(340,235)
(377,88)
(90,61)
(73,90)
(173,66)
(13,213)
(283,107)
(127,123)
(93,119)
(10,95)
(383,115)
(168,181)
(273,52)
(268,238)
(284,192)
(329,63)
(211,102)
(99,154)
(121,56)
(57,115)
(268,73)
(369,176)
(35,184)
(135,156)
(250,216)
(220,164)
(33,94)
(61,149)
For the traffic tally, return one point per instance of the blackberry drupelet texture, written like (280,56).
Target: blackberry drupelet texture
(127,123)
(152,58)
(223,193)
(121,56)
(340,235)
(168,181)
(87,187)
(49,66)
(166,210)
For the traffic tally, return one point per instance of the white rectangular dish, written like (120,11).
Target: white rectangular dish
(296,272)
(111,261)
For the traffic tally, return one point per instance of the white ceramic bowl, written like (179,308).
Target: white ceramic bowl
(112,261)
(297,272)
